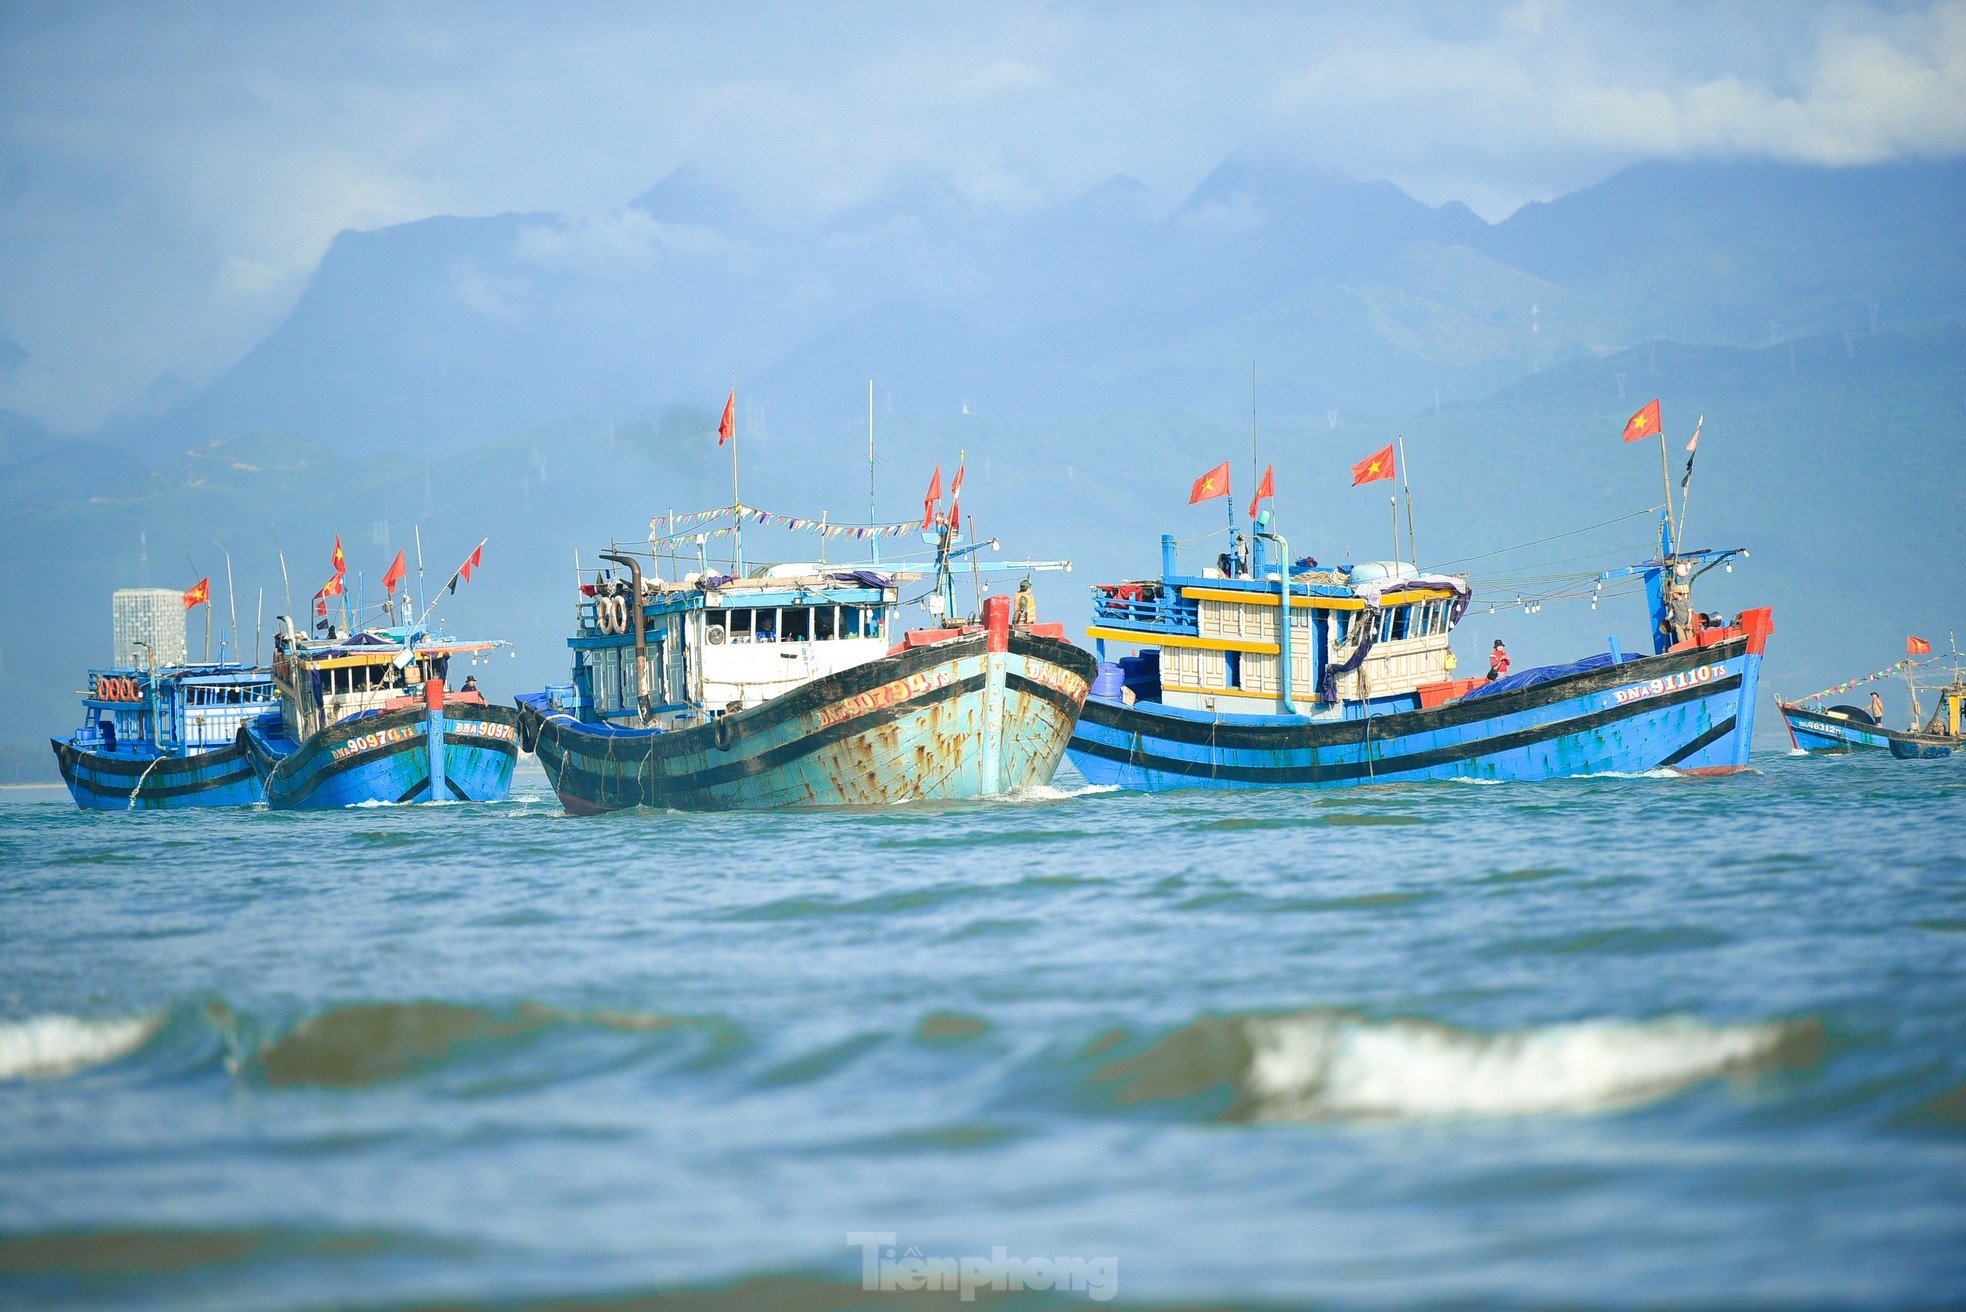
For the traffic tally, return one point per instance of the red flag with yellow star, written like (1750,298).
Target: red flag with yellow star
(198,594)
(1644,424)
(340,561)
(1374,467)
(1213,484)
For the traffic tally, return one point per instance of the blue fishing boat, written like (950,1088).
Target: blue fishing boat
(166,738)
(790,686)
(1362,690)
(369,717)
(159,731)
(1818,728)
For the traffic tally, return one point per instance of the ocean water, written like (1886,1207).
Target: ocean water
(1609,1042)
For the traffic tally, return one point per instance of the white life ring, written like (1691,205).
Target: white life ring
(604,614)
(621,614)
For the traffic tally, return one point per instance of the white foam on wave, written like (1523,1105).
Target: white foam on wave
(61,1045)
(1053,793)
(1321,1067)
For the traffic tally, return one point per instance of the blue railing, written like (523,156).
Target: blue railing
(1157,607)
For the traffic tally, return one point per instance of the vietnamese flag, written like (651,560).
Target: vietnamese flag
(1644,424)
(398,571)
(334,587)
(1213,484)
(1913,646)
(1266,488)
(934,497)
(727,426)
(340,561)
(201,593)
(1374,467)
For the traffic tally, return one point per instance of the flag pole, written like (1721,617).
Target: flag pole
(1406,485)
(875,541)
(1255,457)
(1665,478)
(1393,501)
(422,593)
(736,499)
(1686,484)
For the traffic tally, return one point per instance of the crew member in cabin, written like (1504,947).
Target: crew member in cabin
(1026,611)
(1876,709)
(1498,662)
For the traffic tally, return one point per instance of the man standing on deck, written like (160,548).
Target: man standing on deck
(1498,662)
(1027,605)
(1876,709)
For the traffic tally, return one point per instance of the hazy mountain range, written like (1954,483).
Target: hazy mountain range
(551,381)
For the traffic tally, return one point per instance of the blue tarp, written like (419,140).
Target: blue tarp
(1543,674)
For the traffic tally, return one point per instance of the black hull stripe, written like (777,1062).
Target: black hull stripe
(1340,733)
(1340,770)
(573,778)
(1066,706)
(153,790)
(1700,744)
(69,754)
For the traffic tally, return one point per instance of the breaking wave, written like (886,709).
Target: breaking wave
(1334,1066)
(44,1046)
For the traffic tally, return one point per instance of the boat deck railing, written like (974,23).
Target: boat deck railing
(1145,607)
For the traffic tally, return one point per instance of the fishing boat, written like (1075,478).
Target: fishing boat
(160,732)
(1816,727)
(1362,690)
(166,738)
(369,717)
(790,685)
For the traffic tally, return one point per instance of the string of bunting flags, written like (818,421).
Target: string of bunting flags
(1884,673)
(665,528)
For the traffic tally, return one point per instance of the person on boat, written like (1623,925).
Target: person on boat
(470,683)
(1876,709)
(1026,611)
(1498,662)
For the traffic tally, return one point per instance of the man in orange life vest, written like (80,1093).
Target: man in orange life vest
(1498,662)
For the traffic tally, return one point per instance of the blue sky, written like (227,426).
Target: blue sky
(170,175)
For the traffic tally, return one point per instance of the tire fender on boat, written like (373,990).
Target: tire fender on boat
(727,733)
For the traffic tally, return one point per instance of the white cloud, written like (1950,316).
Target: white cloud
(624,239)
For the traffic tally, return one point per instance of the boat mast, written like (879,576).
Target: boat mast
(874,540)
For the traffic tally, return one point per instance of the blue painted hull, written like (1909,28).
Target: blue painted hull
(1815,731)
(1920,747)
(1690,710)
(386,758)
(947,721)
(127,782)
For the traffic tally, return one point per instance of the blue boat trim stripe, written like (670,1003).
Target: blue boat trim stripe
(1336,733)
(1404,764)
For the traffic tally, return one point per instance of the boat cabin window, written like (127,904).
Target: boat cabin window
(824,623)
(794,624)
(1396,621)
(1341,626)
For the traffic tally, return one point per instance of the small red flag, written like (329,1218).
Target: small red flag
(340,561)
(1644,424)
(1917,647)
(1266,488)
(1374,467)
(398,571)
(1213,484)
(199,593)
(727,426)
(332,588)
(932,499)
(956,498)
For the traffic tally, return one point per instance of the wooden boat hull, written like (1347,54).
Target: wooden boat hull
(1921,746)
(950,720)
(97,781)
(388,758)
(1690,710)
(1818,731)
